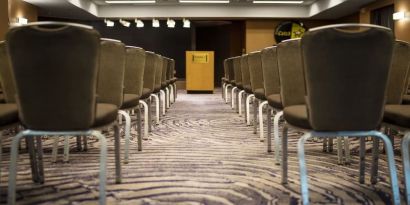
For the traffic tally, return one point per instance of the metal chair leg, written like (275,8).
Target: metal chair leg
(406,164)
(146,118)
(139,128)
(232,97)
(162,102)
(276,136)
(247,104)
(284,163)
(255,114)
(269,127)
(127,131)
(117,150)
(260,109)
(362,158)
(375,161)
(157,114)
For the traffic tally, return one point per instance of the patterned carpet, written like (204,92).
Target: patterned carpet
(201,153)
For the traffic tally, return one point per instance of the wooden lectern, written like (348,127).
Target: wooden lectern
(200,71)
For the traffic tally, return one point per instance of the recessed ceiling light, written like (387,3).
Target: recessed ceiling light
(277,2)
(187,23)
(125,23)
(171,23)
(131,2)
(139,23)
(109,23)
(205,1)
(155,23)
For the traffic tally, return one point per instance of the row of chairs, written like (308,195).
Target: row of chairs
(337,81)
(63,79)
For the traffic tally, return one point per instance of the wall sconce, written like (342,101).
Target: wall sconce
(187,23)
(171,23)
(125,23)
(155,23)
(400,15)
(109,23)
(139,23)
(21,21)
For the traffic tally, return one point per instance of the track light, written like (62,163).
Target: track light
(125,23)
(155,23)
(187,23)
(171,23)
(109,23)
(139,23)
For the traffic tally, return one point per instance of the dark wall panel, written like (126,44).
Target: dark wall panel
(170,42)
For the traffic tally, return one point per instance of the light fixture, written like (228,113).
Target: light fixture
(400,15)
(276,2)
(139,23)
(155,23)
(187,23)
(205,1)
(109,23)
(171,23)
(131,2)
(21,21)
(125,23)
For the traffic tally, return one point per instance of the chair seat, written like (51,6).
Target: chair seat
(296,115)
(224,79)
(406,100)
(8,114)
(173,80)
(157,89)
(247,88)
(105,114)
(260,93)
(397,114)
(130,101)
(146,92)
(275,101)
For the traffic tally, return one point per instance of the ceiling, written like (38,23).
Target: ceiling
(235,9)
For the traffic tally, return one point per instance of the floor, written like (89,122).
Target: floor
(202,152)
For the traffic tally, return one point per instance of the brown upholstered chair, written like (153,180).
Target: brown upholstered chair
(172,80)
(157,89)
(229,75)
(49,102)
(164,84)
(272,94)
(246,81)
(348,61)
(236,63)
(148,88)
(397,115)
(256,76)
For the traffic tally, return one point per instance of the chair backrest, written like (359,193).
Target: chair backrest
(169,68)
(6,76)
(226,72)
(149,70)
(55,69)
(172,73)
(346,75)
(255,70)
(231,72)
(111,72)
(246,79)
(237,69)
(397,84)
(292,82)
(158,71)
(164,71)
(134,70)
(270,71)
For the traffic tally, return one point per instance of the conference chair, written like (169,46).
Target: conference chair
(164,89)
(396,115)
(50,104)
(348,61)
(238,90)
(246,83)
(9,114)
(256,76)
(173,78)
(272,93)
(224,80)
(157,88)
(148,88)
(231,78)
